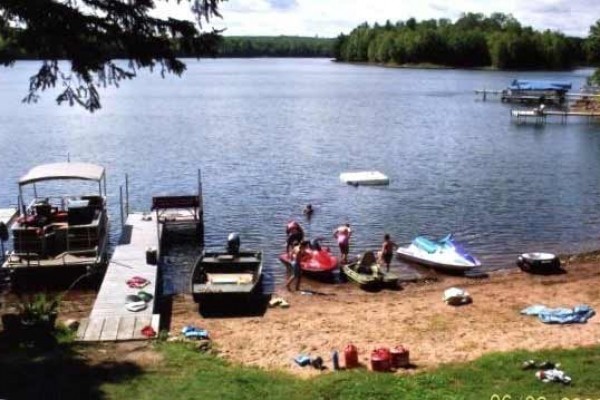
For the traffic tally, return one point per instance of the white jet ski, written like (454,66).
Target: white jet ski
(443,254)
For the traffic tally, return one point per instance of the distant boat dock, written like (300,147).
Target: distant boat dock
(551,100)
(541,117)
(531,92)
(134,267)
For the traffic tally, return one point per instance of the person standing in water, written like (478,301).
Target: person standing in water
(342,235)
(386,254)
(308,211)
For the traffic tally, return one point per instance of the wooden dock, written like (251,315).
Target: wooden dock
(541,117)
(524,98)
(109,319)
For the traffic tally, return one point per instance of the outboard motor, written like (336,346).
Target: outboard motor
(233,243)
(3,232)
(3,238)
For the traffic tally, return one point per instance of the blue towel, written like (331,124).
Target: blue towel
(302,360)
(578,314)
(193,332)
(534,309)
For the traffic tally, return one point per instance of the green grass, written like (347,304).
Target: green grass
(187,375)
(182,372)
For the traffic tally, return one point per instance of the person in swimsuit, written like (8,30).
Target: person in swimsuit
(308,211)
(387,251)
(295,235)
(297,254)
(342,235)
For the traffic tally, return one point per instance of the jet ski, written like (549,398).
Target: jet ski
(317,260)
(443,254)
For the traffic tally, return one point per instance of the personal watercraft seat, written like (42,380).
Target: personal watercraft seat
(426,244)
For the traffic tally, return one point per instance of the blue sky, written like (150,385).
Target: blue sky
(328,18)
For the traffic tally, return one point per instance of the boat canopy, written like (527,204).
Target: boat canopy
(68,170)
(520,84)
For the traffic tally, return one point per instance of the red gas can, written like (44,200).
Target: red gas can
(400,357)
(381,360)
(351,356)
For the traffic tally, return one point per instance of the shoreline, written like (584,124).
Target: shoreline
(414,316)
(426,66)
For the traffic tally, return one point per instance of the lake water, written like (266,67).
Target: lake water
(271,135)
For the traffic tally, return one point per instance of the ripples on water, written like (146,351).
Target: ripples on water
(273,135)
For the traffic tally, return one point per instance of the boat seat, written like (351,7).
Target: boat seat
(240,279)
(368,259)
(366,262)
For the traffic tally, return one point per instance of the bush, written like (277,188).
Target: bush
(39,313)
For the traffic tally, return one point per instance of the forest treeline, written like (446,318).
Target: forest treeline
(474,40)
(240,46)
(275,46)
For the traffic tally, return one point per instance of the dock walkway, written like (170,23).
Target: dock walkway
(540,117)
(109,319)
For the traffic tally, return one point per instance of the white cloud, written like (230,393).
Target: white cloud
(328,18)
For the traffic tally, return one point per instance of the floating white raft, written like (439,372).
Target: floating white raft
(364,178)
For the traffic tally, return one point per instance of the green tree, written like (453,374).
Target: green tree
(90,33)
(592,46)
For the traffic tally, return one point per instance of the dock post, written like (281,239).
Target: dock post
(484,95)
(126,194)
(121,205)
(200,221)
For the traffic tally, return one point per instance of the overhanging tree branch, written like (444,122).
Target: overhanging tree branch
(91,33)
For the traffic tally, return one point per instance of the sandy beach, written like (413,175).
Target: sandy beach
(414,316)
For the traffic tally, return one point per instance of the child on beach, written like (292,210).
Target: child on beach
(387,251)
(295,234)
(342,234)
(297,254)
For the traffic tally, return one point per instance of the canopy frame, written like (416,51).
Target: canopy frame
(62,171)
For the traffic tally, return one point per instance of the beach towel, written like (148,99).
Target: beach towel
(136,306)
(192,332)
(145,296)
(148,331)
(553,375)
(138,282)
(455,297)
(578,314)
(302,360)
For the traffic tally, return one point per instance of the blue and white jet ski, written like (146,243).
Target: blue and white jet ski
(444,254)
